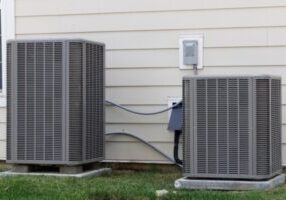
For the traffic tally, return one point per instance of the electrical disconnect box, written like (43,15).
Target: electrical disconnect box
(191,52)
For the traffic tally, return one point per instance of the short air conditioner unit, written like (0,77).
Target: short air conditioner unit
(55,102)
(232,127)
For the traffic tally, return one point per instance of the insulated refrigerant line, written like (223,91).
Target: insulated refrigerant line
(146,143)
(142,113)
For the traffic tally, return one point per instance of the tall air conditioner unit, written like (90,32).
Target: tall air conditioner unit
(232,127)
(55,101)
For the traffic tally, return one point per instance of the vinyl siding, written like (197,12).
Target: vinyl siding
(2,133)
(141,21)
(240,37)
(55,7)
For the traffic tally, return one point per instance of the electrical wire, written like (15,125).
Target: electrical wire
(195,69)
(177,135)
(142,113)
(146,143)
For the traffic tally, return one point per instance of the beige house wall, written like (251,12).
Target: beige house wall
(142,57)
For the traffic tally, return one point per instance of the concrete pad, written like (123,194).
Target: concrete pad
(242,185)
(95,172)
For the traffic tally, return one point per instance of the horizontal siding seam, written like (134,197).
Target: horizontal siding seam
(176,67)
(152,142)
(128,105)
(137,85)
(143,86)
(266,45)
(150,123)
(151,11)
(156,29)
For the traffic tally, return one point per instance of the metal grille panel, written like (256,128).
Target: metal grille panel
(187,128)
(75,101)
(222,121)
(219,130)
(94,101)
(202,137)
(57,94)
(244,132)
(276,125)
(263,129)
(37,132)
(9,63)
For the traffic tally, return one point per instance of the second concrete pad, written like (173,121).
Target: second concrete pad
(210,184)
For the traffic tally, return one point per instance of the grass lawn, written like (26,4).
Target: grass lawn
(119,185)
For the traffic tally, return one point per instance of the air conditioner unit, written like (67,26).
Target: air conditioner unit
(232,127)
(55,102)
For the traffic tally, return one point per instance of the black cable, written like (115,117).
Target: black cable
(176,147)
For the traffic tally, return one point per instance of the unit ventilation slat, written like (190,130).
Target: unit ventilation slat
(94,93)
(99,98)
(39,93)
(21,103)
(212,125)
(75,101)
(89,102)
(201,126)
(30,90)
(187,128)
(276,124)
(262,117)
(9,100)
(233,126)
(222,126)
(243,126)
(57,93)
(49,101)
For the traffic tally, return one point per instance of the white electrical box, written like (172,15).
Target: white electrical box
(191,51)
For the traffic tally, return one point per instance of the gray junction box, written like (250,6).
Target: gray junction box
(190,52)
